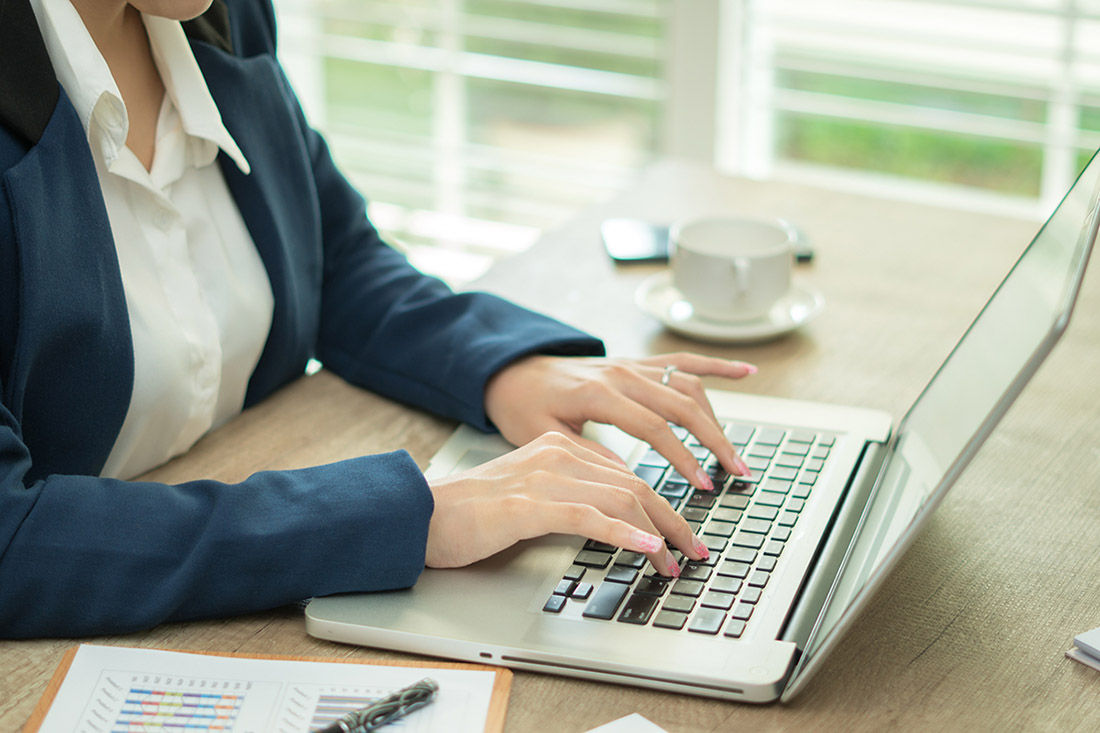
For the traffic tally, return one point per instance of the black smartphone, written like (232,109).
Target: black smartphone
(634,240)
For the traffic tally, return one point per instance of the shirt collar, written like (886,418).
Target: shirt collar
(87,80)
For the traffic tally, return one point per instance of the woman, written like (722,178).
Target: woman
(176,243)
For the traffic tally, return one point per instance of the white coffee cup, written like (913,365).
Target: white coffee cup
(731,269)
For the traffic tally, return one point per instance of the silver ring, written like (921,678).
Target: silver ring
(667,375)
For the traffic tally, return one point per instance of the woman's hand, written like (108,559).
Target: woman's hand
(544,393)
(552,484)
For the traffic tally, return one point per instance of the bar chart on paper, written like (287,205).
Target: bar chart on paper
(126,690)
(124,702)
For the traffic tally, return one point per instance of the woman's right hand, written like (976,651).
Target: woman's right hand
(552,485)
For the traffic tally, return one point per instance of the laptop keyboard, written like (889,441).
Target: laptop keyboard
(745,523)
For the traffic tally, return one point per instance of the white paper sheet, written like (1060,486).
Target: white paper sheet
(111,689)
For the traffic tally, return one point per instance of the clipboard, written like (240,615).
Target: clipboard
(493,719)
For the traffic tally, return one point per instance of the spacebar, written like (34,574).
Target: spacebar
(605,601)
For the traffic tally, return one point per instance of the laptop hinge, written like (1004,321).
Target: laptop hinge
(834,546)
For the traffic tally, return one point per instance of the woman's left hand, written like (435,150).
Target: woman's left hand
(539,394)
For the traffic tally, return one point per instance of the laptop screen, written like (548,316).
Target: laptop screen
(965,399)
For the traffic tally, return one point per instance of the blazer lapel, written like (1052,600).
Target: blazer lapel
(275,201)
(75,358)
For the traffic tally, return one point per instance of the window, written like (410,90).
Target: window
(472,125)
(973,101)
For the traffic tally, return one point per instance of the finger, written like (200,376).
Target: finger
(614,407)
(591,445)
(624,495)
(588,521)
(712,436)
(700,365)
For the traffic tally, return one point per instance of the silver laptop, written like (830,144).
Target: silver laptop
(837,496)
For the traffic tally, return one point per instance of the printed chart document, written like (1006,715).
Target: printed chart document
(110,689)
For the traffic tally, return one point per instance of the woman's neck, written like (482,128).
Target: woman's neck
(119,33)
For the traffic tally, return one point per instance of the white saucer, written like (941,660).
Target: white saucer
(657,297)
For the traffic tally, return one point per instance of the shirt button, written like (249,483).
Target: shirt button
(163,218)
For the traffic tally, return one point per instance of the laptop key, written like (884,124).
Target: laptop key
(734,628)
(759,578)
(592,559)
(715,544)
(773,547)
(630,559)
(674,490)
(693,571)
(688,587)
(680,604)
(554,604)
(717,599)
(742,611)
(787,519)
(694,513)
(582,591)
(605,601)
(734,569)
(739,432)
(769,498)
(652,587)
(770,436)
(741,554)
(785,473)
(575,572)
(734,500)
(767,563)
(756,526)
(707,621)
(751,595)
(725,584)
(565,587)
(638,609)
(726,514)
(756,464)
(778,486)
(720,529)
(670,620)
(702,500)
(759,511)
(650,474)
(621,574)
(748,539)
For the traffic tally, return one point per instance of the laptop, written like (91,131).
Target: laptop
(837,495)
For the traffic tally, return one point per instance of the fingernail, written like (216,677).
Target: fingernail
(742,467)
(704,480)
(645,542)
(700,548)
(672,565)
(750,369)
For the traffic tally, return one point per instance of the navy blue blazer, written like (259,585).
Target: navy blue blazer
(84,555)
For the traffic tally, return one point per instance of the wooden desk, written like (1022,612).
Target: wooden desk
(970,630)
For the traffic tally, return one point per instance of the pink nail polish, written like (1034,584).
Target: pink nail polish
(742,467)
(645,542)
(700,548)
(704,480)
(673,566)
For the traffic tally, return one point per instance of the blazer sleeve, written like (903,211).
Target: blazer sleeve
(387,327)
(84,555)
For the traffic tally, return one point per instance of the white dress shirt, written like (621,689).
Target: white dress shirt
(198,296)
